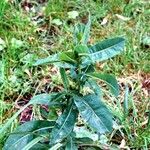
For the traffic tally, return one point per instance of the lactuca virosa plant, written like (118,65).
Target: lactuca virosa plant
(77,70)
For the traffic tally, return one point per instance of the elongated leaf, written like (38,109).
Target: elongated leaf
(54,59)
(64,125)
(126,102)
(51,59)
(86,34)
(26,133)
(46,99)
(65,65)
(82,32)
(70,144)
(109,79)
(64,78)
(94,112)
(104,50)
(42,99)
(78,33)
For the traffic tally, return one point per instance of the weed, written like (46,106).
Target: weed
(35,26)
(73,101)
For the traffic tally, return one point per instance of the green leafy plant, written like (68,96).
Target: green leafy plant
(77,70)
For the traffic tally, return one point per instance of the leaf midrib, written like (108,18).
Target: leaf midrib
(105,48)
(102,80)
(63,123)
(95,114)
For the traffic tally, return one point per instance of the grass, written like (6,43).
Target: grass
(29,35)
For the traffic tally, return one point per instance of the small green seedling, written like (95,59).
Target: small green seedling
(77,70)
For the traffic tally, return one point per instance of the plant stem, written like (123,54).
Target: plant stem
(79,72)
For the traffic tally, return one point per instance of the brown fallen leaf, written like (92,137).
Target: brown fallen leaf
(122,17)
(104,21)
(123,146)
(146,85)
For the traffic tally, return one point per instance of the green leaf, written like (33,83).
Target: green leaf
(65,65)
(86,34)
(104,50)
(81,49)
(48,60)
(67,57)
(78,33)
(25,133)
(64,78)
(94,112)
(109,79)
(46,99)
(82,32)
(64,125)
(43,99)
(56,60)
(126,102)
(70,144)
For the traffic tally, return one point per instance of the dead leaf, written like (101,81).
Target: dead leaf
(123,143)
(122,17)
(104,21)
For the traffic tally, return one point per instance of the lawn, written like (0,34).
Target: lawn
(34,29)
